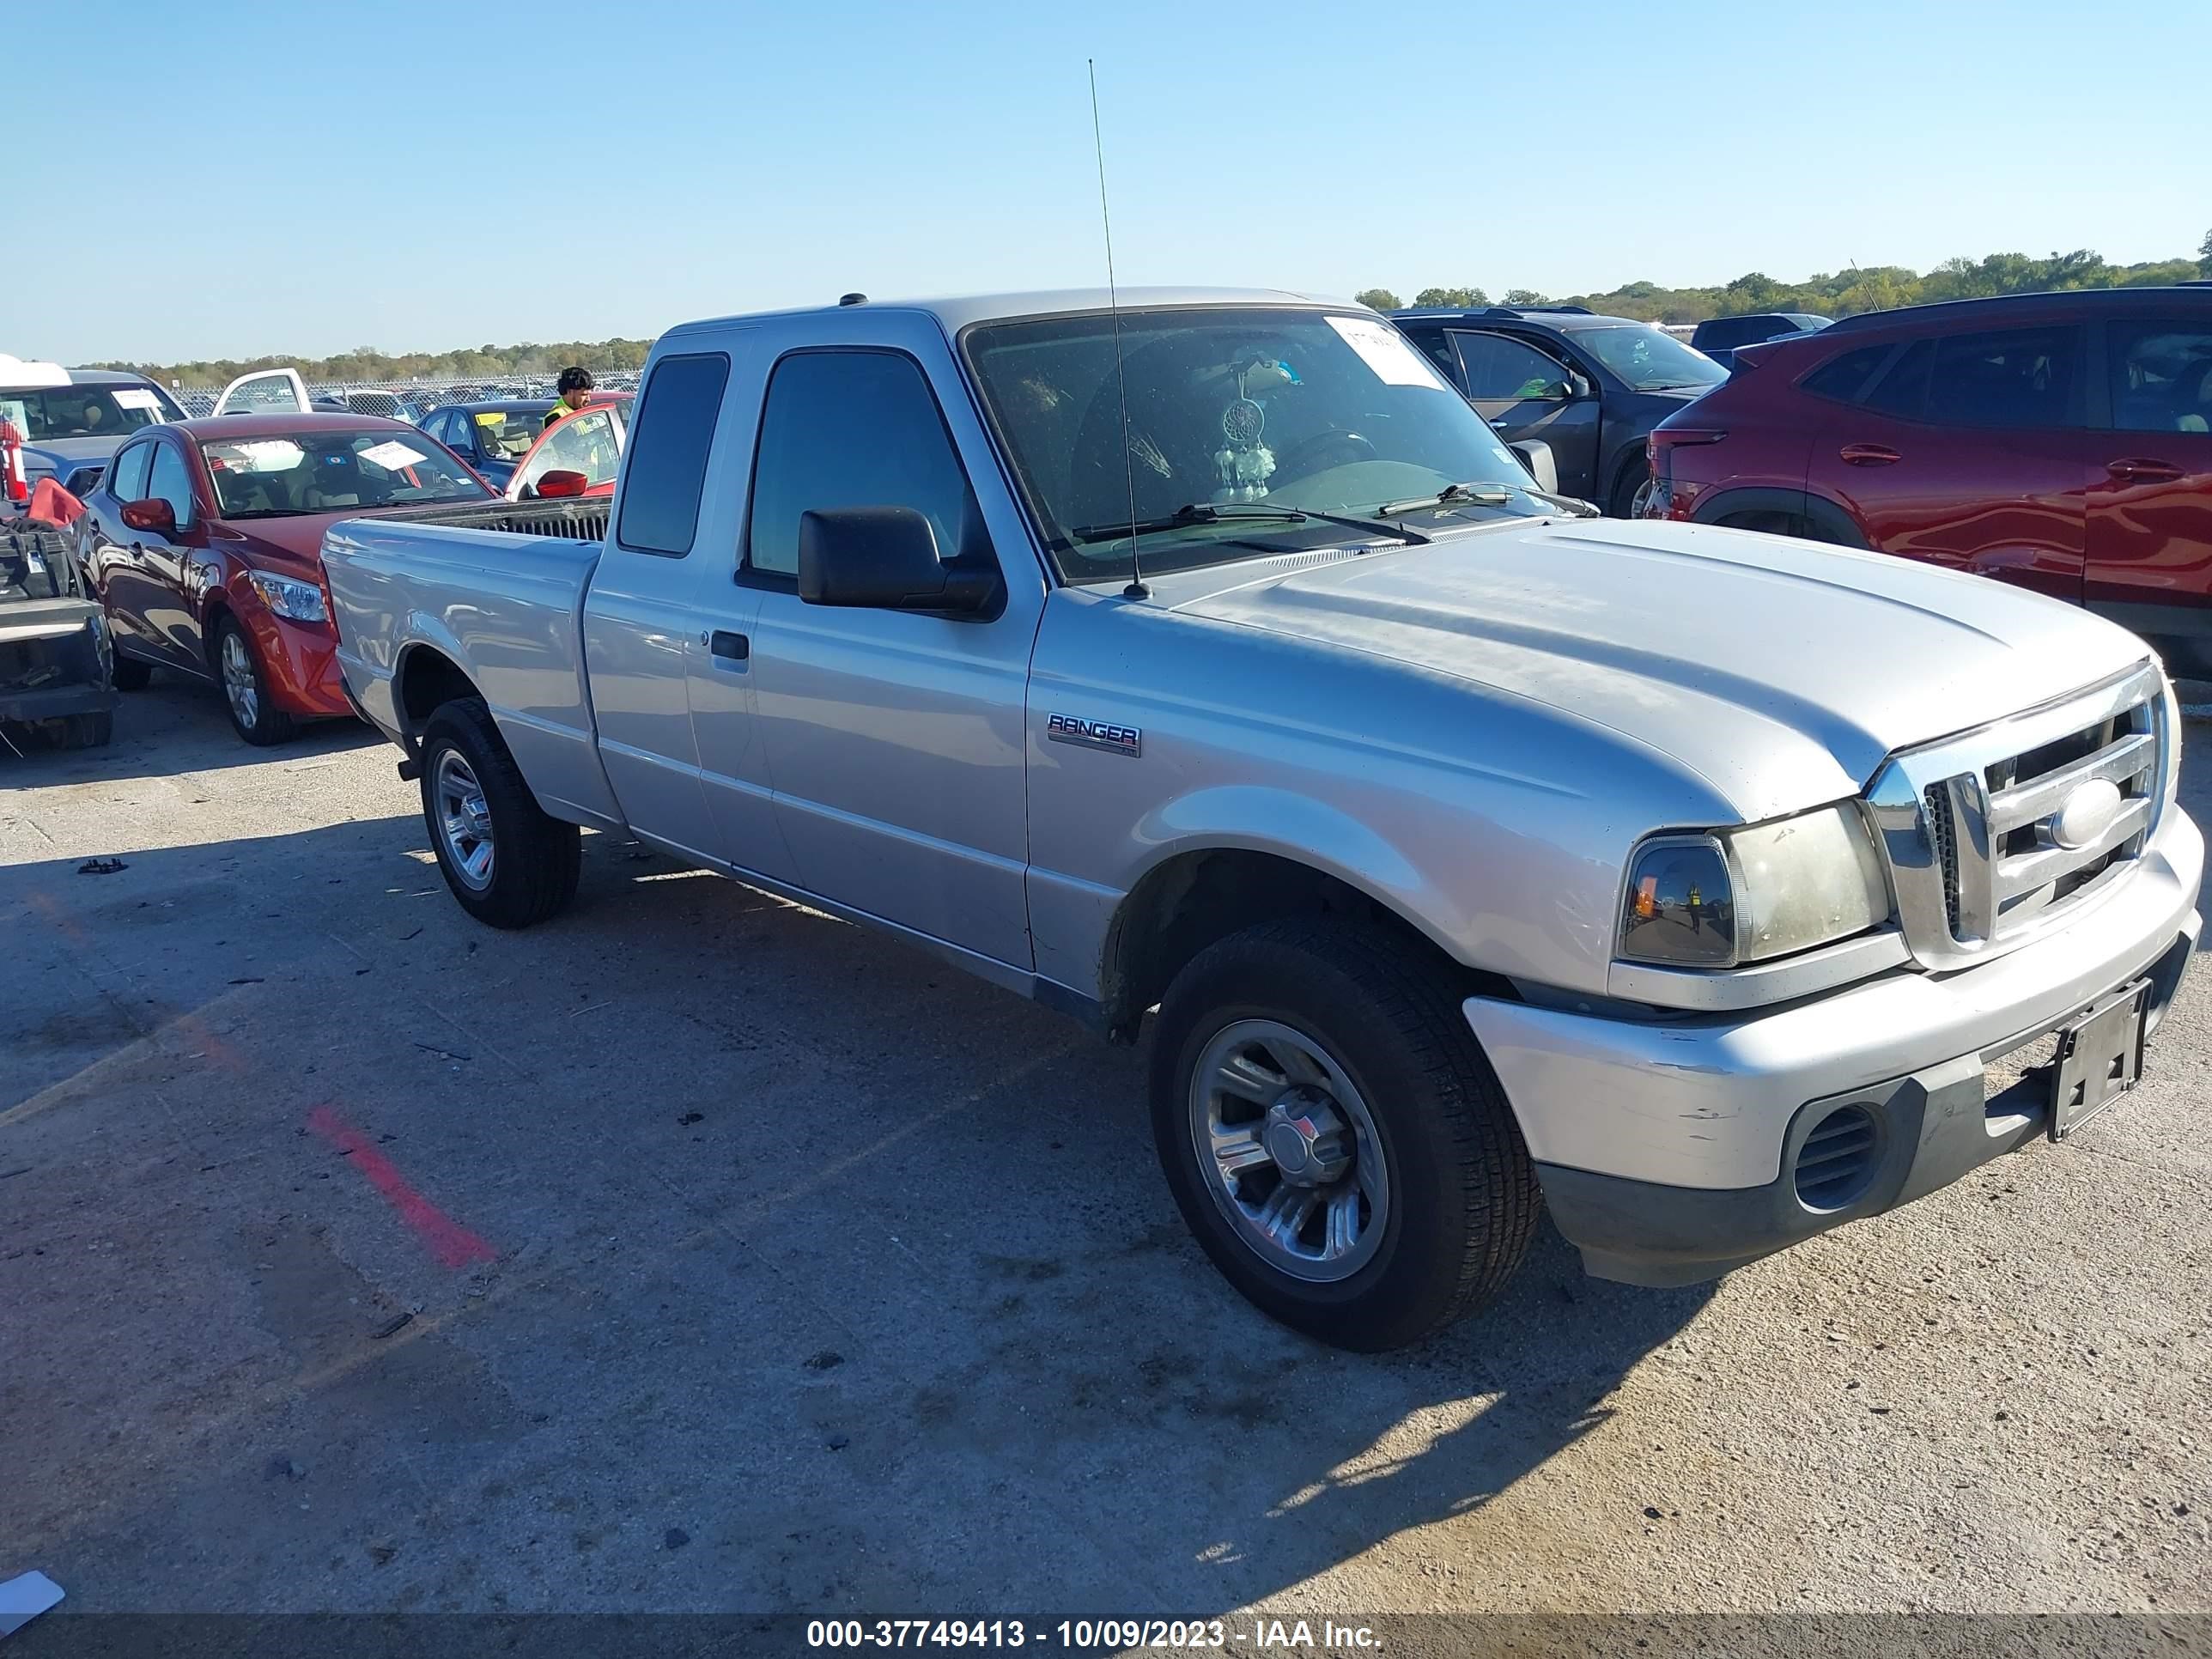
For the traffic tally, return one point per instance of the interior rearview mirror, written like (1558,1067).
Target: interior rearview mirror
(1543,466)
(153,515)
(885,558)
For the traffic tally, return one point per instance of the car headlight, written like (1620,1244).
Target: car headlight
(301,601)
(1742,895)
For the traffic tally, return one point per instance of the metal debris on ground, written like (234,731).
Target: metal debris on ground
(393,1327)
(100,867)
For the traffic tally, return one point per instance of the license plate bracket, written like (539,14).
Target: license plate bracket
(2099,1059)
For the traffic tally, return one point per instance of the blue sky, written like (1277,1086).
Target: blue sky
(243,178)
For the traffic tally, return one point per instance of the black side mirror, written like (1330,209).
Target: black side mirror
(885,558)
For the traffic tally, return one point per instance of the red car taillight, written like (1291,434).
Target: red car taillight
(1670,497)
(15,486)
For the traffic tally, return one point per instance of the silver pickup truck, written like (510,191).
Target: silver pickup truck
(1212,660)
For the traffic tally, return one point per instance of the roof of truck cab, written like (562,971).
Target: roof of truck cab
(957,314)
(277,424)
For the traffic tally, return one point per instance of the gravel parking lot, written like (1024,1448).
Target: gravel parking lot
(696,1251)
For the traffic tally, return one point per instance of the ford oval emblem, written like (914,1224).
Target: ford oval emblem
(2087,814)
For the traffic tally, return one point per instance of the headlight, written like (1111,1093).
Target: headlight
(301,601)
(1740,895)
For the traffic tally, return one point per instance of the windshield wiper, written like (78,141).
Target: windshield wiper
(1492,494)
(1475,495)
(1193,513)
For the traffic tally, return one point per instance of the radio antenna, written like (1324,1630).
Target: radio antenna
(1136,589)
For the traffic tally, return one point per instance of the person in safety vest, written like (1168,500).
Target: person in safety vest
(575,389)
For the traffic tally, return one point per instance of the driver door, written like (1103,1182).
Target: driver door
(1526,394)
(589,443)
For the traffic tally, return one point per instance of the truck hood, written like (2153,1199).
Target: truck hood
(1780,672)
(64,455)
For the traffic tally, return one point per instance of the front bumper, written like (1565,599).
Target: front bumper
(299,661)
(1665,1148)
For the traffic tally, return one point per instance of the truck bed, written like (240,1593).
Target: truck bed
(496,589)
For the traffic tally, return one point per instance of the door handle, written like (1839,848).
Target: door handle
(1869,455)
(2143,471)
(730,648)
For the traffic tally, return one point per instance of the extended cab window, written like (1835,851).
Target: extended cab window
(673,430)
(850,428)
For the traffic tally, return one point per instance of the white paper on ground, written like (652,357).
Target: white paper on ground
(1385,350)
(23,1599)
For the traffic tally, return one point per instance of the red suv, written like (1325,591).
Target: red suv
(2059,440)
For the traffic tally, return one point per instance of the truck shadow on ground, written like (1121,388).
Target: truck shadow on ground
(924,1330)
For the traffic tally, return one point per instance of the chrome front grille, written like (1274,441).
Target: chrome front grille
(1983,852)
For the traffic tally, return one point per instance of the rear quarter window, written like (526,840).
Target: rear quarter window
(1845,378)
(670,437)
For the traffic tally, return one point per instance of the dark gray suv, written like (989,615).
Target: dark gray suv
(1589,386)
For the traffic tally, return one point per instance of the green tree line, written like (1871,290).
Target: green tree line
(368,363)
(1839,293)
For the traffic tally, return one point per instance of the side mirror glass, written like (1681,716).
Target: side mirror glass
(560,482)
(884,558)
(154,515)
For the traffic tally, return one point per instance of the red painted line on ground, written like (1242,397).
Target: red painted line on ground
(454,1245)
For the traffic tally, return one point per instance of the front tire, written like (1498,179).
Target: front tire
(507,862)
(1334,1137)
(245,696)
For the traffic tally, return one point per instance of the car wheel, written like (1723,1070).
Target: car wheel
(1629,491)
(507,862)
(1333,1135)
(246,688)
(129,674)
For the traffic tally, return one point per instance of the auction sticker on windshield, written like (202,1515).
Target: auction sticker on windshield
(1383,349)
(136,397)
(393,456)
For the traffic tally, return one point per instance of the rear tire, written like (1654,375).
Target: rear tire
(507,862)
(129,674)
(1356,1034)
(245,687)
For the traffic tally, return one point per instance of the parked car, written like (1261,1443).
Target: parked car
(54,651)
(202,546)
(1719,337)
(71,421)
(1473,858)
(2063,441)
(496,436)
(577,455)
(1592,388)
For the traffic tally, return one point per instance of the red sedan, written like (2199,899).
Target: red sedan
(203,545)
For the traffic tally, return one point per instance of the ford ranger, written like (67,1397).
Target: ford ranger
(1207,659)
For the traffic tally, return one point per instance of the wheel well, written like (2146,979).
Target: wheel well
(1778,524)
(213,614)
(1196,899)
(428,678)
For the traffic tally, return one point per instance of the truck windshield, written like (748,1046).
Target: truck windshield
(285,475)
(1334,413)
(83,411)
